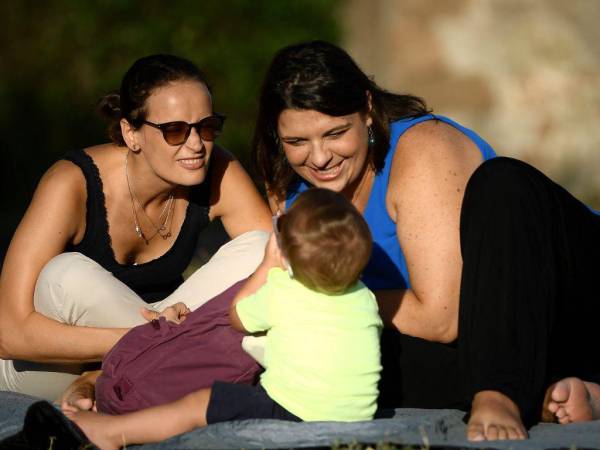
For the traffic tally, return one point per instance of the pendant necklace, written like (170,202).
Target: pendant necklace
(164,229)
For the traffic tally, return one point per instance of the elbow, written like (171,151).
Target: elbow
(446,332)
(7,347)
(11,338)
(234,320)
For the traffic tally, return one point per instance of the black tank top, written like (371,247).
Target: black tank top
(153,280)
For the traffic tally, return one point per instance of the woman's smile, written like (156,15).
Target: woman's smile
(329,173)
(194,163)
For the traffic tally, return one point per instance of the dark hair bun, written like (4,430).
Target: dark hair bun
(145,75)
(110,106)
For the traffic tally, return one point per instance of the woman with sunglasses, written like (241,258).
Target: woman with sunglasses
(111,229)
(485,271)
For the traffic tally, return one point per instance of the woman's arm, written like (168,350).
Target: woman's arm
(236,199)
(430,170)
(55,217)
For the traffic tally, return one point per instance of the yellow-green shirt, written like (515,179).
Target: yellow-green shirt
(322,351)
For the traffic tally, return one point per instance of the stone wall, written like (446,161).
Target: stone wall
(525,74)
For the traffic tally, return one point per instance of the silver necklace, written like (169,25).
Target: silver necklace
(163,218)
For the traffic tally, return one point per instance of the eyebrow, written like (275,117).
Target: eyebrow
(327,133)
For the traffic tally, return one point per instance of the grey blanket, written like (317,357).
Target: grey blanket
(408,427)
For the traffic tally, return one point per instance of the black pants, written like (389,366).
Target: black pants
(529,299)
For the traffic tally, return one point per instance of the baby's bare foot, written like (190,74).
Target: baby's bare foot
(494,416)
(572,400)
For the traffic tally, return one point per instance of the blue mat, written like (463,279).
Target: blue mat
(418,427)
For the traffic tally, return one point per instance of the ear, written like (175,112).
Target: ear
(130,135)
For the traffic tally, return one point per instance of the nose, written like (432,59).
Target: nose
(320,155)
(194,140)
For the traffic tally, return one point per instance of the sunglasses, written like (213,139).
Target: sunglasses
(177,133)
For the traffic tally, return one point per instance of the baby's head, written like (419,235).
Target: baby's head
(325,240)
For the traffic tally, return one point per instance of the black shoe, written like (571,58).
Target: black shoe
(15,442)
(45,427)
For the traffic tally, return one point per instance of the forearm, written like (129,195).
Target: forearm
(403,310)
(38,338)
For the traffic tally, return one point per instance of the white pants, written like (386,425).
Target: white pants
(75,290)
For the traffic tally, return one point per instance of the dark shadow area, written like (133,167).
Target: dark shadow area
(59,58)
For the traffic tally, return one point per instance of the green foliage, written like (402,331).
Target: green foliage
(63,55)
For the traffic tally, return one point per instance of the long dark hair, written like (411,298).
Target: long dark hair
(143,77)
(320,76)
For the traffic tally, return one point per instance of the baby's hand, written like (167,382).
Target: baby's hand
(80,395)
(176,313)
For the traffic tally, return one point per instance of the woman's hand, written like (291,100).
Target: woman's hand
(80,395)
(175,313)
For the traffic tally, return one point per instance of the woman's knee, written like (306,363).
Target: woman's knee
(503,184)
(53,281)
(66,278)
(503,176)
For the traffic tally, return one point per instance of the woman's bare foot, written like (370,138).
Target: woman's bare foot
(96,428)
(572,400)
(494,416)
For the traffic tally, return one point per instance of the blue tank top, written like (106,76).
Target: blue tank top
(387,267)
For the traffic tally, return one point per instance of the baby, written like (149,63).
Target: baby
(322,353)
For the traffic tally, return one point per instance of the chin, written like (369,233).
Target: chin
(336,185)
(192,179)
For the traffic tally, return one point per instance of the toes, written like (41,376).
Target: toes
(502,433)
(492,432)
(516,433)
(475,432)
(563,415)
(561,391)
(564,419)
(560,412)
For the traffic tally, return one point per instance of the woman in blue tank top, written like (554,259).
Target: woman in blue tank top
(482,266)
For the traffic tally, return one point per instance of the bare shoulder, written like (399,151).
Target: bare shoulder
(223,167)
(434,141)
(432,155)
(64,178)
(107,157)
(234,197)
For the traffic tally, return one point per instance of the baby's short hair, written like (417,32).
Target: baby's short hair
(325,240)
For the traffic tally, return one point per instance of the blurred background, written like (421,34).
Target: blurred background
(525,74)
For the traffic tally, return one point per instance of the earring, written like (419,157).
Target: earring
(371,136)
(289,270)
